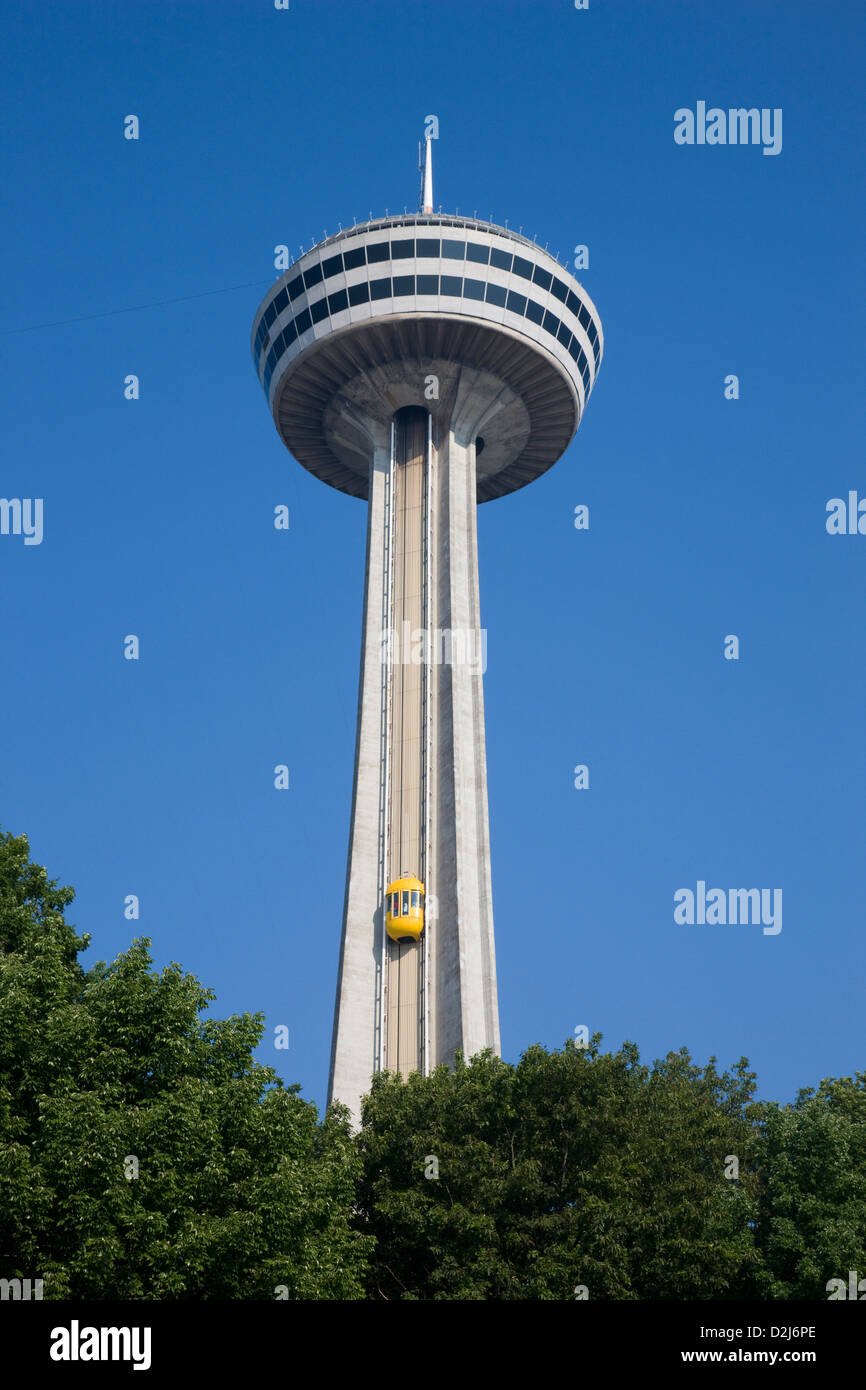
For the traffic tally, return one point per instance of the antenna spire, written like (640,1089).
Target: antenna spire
(427,187)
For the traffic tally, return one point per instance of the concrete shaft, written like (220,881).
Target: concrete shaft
(410,1007)
(407,735)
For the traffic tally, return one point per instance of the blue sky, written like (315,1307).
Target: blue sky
(605,647)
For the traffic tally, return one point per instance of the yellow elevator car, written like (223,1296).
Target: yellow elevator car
(404,909)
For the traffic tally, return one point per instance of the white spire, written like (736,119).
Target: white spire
(427,195)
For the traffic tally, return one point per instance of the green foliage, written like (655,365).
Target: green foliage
(239,1188)
(812,1217)
(571,1168)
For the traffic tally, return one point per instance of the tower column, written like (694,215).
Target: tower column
(356,1043)
(463,1004)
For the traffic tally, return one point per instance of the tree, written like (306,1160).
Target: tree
(143,1152)
(811,1224)
(573,1170)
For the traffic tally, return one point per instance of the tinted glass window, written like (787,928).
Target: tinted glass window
(522,267)
(551,322)
(337,301)
(564,335)
(313,275)
(534,311)
(575,351)
(593,332)
(378,252)
(405,902)
(332,265)
(516,302)
(586,376)
(290,332)
(496,294)
(404,284)
(502,259)
(359,294)
(354,258)
(303,321)
(573,302)
(473,289)
(270,315)
(584,316)
(428,284)
(452,284)
(560,290)
(295,287)
(381,289)
(319,310)
(427,246)
(400,250)
(542,278)
(415,902)
(282,301)
(474,252)
(455,249)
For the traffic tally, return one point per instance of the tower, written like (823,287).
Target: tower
(425,363)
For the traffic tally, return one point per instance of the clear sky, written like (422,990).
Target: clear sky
(605,647)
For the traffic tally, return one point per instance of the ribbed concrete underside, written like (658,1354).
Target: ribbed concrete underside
(390,358)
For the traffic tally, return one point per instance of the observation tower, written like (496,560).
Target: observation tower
(424,363)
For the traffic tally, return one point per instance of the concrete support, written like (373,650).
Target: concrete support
(396,811)
(464,1008)
(355,1047)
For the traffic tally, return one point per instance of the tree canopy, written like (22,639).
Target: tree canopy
(145,1154)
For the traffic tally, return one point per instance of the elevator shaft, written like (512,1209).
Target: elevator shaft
(407,782)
